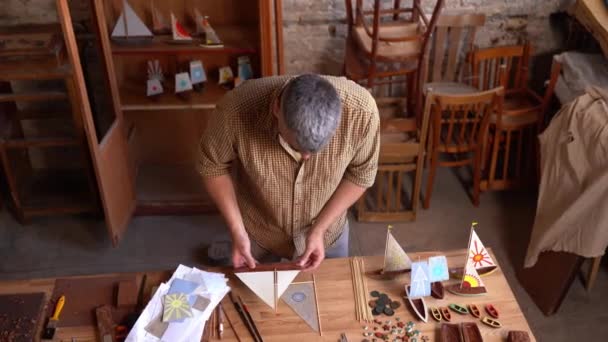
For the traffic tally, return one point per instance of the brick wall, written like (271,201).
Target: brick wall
(315,30)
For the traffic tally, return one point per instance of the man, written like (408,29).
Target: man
(283,158)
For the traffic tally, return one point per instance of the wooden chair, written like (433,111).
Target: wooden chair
(401,152)
(391,49)
(513,130)
(459,125)
(452,41)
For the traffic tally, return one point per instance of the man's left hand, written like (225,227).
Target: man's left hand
(315,252)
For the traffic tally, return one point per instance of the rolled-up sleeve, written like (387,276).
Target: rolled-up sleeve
(364,165)
(216,147)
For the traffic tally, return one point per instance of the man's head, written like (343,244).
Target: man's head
(308,113)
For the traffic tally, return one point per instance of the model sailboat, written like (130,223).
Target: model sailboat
(211,38)
(159,25)
(395,259)
(477,258)
(478,255)
(182,84)
(130,29)
(180,34)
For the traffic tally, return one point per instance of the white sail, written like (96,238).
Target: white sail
(198,18)
(154,87)
(197,72)
(471,278)
(478,254)
(179,32)
(395,258)
(262,284)
(182,82)
(129,24)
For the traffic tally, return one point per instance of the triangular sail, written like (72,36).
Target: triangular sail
(471,278)
(158,21)
(261,283)
(211,38)
(198,18)
(478,254)
(179,32)
(300,297)
(130,25)
(395,258)
(284,279)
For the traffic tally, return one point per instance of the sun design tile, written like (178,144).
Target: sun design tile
(176,307)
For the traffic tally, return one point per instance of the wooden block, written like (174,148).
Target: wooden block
(127,293)
(518,336)
(105,324)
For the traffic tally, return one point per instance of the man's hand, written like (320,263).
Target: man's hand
(241,251)
(315,251)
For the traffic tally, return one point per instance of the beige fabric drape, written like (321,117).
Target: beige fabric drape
(572,211)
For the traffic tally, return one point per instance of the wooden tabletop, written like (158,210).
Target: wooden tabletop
(336,304)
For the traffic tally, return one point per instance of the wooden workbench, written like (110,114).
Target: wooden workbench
(336,304)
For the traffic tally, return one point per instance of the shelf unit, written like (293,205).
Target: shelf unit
(43,148)
(145,161)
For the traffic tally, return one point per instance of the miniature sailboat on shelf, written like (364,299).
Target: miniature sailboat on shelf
(130,29)
(180,34)
(420,287)
(159,25)
(479,256)
(155,79)
(471,283)
(203,27)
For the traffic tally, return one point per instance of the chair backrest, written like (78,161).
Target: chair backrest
(486,63)
(459,122)
(452,41)
(423,26)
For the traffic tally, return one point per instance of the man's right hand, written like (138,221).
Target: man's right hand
(241,251)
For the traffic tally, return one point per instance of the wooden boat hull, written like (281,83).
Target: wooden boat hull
(436,314)
(457,272)
(437,290)
(491,322)
(463,332)
(418,305)
(491,310)
(382,275)
(466,291)
(474,310)
(445,313)
(133,41)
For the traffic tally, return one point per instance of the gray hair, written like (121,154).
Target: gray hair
(311,109)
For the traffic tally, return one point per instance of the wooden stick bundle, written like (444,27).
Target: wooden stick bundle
(362,311)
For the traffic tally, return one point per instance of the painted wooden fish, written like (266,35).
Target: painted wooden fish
(474,310)
(491,310)
(491,322)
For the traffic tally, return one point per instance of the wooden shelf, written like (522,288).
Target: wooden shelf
(133,97)
(22,70)
(170,189)
(237,40)
(52,191)
(37,96)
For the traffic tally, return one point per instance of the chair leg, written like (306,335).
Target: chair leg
(431,180)
(592,276)
(477,176)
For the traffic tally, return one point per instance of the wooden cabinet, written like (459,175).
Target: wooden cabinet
(145,161)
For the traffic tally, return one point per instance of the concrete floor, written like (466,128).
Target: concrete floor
(75,245)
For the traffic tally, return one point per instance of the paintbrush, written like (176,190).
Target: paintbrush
(241,311)
(51,326)
(250,318)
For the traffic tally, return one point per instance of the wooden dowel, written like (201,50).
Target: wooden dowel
(314,285)
(230,322)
